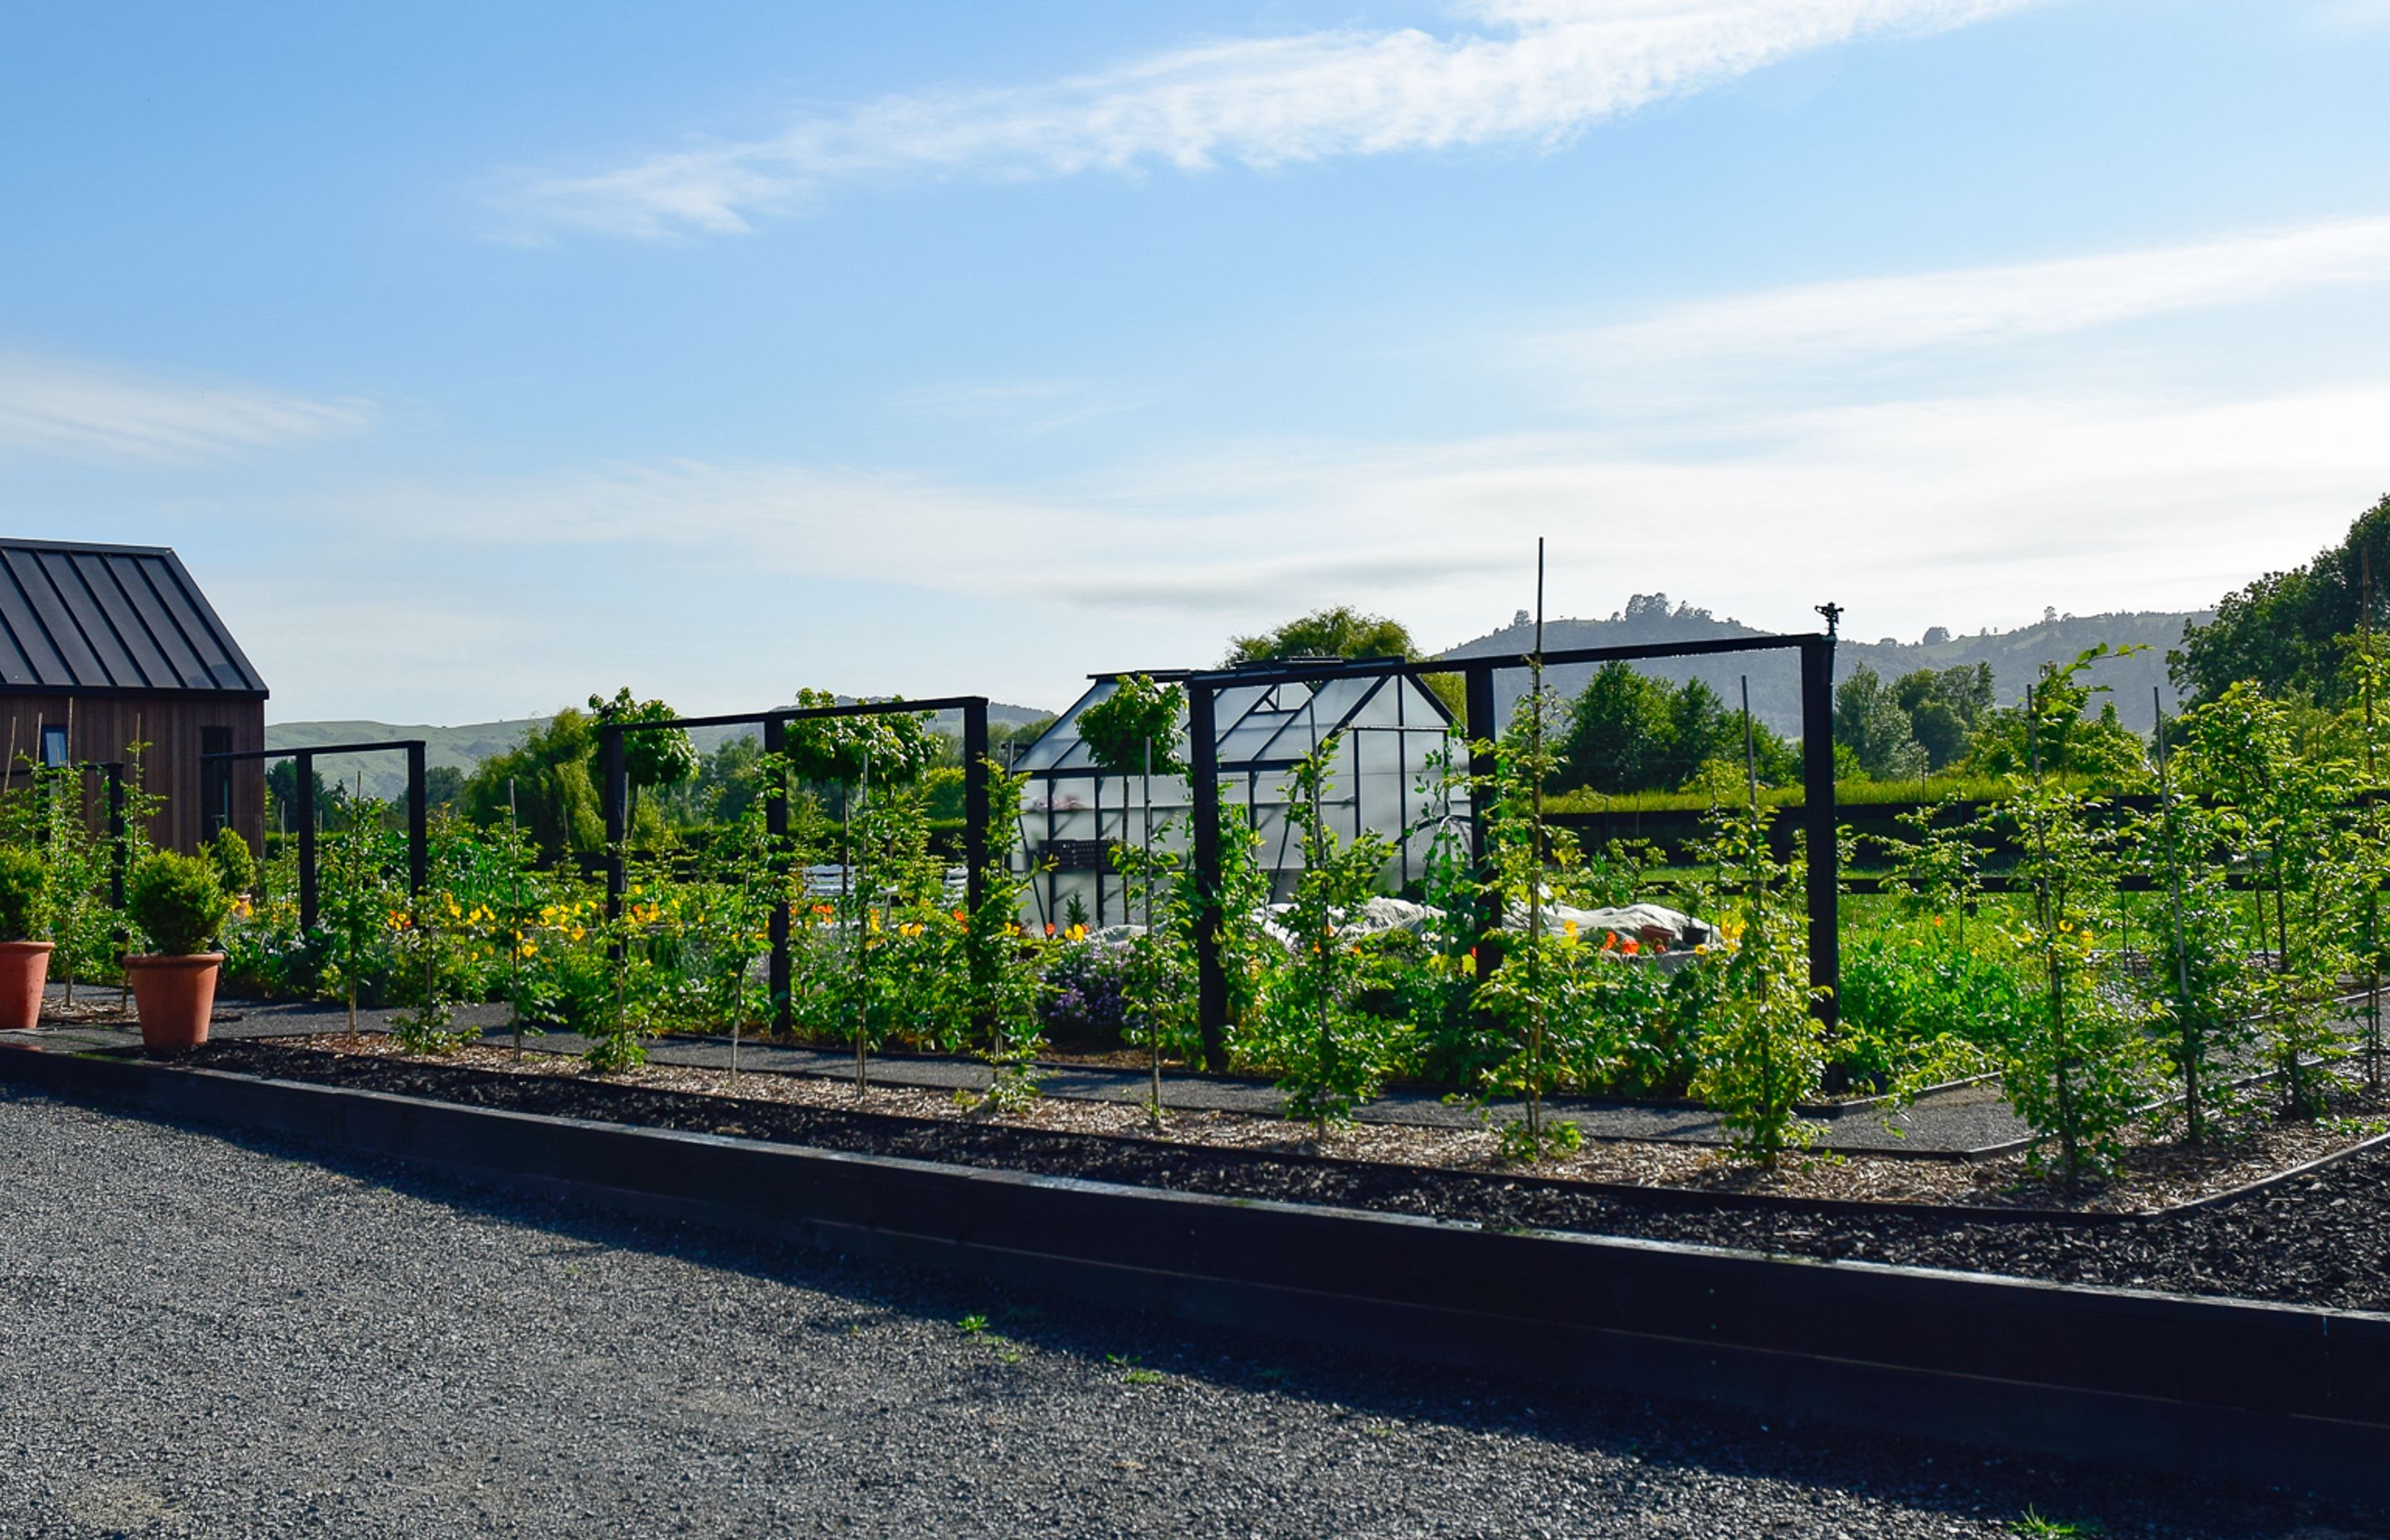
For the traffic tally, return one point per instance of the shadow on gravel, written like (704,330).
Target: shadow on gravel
(1667,1434)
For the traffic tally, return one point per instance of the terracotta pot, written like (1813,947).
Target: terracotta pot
(25,968)
(174,996)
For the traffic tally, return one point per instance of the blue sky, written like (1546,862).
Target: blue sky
(477,357)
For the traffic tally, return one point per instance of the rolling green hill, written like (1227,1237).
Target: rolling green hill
(385,775)
(2016,656)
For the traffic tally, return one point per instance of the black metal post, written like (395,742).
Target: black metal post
(775,830)
(975,797)
(1203,782)
(975,849)
(303,780)
(615,797)
(419,814)
(1818,822)
(116,842)
(1479,716)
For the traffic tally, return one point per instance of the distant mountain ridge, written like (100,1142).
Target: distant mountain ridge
(463,748)
(2016,656)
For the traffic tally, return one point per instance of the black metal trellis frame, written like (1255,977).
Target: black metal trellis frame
(615,795)
(1480,719)
(418,840)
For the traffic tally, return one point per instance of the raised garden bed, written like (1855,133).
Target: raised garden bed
(2319,1237)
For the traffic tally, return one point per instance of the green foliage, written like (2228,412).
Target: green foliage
(721,790)
(177,902)
(546,781)
(1922,1004)
(658,756)
(1338,631)
(2054,732)
(1870,717)
(1342,631)
(1945,708)
(2274,808)
(1530,988)
(1331,1055)
(1003,986)
(888,748)
(2283,633)
(2078,1069)
(1134,731)
(1762,1057)
(236,866)
(361,906)
(24,894)
(1629,732)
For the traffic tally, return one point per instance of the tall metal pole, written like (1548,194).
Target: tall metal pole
(775,830)
(975,800)
(1204,784)
(1818,821)
(114,771)
(303,782)
(975,855)
(418,838)
(615,797)
(1479,714)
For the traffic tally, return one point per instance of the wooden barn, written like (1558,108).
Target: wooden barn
(102,647)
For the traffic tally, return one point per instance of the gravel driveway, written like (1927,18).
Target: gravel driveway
(208,1338)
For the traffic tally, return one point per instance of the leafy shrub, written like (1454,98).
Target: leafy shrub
(1916,999)
(178,902)
(24,894)
(236,868)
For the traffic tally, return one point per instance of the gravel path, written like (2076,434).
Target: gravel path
(200,1337)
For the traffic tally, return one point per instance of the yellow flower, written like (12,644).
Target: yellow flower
(1076,932)
(1568,928)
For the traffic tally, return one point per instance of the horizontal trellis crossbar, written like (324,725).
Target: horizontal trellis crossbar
(1369,668)
(803,713)
(312,749)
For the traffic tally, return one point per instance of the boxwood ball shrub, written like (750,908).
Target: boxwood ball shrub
(236,866)
(24,894)
(178,902)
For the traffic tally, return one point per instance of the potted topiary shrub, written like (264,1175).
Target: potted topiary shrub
(24,958)
(178,902)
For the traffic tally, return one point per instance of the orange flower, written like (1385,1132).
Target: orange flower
(1632,947)
(1610,941)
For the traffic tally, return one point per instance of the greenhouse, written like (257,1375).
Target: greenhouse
(1392,733)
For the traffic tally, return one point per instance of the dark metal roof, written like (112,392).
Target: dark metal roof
(84,619)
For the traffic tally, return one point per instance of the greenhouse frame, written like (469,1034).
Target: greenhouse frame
(1395,736)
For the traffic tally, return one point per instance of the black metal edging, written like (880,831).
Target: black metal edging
(2211,1389)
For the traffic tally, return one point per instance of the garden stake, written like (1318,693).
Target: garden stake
(515,930)
(862,932)
(1536,886)
(2373,817)
(2195,1119)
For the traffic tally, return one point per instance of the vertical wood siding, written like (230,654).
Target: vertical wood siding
(100,726)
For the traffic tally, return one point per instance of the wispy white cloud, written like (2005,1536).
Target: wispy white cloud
(2356,13)
(57,406)
(1032,405)
(1836,323)
(1530,73)
(1921,512)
